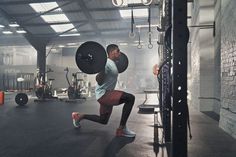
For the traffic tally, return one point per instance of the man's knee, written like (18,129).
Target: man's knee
(127,98)
(131,98)
(104,119)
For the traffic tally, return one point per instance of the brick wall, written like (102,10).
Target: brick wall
(228,67)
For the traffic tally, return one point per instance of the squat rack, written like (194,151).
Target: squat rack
(175,15)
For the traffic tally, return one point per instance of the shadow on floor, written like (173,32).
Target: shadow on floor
(212,115)
(116,144)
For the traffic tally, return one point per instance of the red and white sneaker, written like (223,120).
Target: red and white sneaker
(76,119)
(125,132)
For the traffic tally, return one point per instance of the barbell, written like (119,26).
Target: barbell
(91,58)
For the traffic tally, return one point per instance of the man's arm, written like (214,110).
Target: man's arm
(100,77)
(155,69)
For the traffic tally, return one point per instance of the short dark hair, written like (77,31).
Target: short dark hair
(111,47)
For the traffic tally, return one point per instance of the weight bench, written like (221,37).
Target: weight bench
(146,106)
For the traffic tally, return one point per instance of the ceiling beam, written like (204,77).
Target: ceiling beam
(75,11)
(74,22)
(22,2)
(54,23)
(124,29)
(82,21)
(88,16)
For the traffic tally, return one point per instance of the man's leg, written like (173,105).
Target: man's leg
(110,99)
(107,102)
(114,98)
(128,100)
(102,118)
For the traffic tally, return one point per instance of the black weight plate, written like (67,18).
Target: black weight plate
(122,63)
(91,57)
(21,99)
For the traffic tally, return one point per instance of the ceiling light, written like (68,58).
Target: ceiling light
(61,46)
(43,7)
(71,44)
(146,26)
(69,35)
(55,18)
(53,50)
(21,31)
(137,13)
(7,32)
(123,44)
(136,41)
(13,24)
(2,26)
(62,28)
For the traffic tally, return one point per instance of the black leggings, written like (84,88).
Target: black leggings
(126,98)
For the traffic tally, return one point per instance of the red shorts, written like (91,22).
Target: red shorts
(108,100)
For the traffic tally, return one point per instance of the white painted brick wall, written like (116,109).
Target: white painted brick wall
(228,67)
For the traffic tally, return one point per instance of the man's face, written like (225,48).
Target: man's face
(116,53)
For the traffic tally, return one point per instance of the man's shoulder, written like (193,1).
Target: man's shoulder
(110,63)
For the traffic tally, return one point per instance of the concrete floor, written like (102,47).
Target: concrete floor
(45,130)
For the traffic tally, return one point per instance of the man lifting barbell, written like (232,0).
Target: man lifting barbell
(106,94)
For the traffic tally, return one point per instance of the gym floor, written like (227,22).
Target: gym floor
(45,130)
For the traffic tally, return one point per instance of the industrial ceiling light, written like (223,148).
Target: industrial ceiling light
(13,24)
(55,18)
(43,7)
(146,26)
(7,32)
(63,27)
(61,46)
(123,44)
(69,35)
(2,26)
(138,13)
(20,31)
(71,44)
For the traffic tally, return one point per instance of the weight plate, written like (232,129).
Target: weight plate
(21,99)
(91,57)
(122,63)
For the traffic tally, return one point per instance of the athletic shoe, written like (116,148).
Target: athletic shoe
(76,119)
(125,132)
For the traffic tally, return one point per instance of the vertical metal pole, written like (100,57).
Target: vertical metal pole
(41,61)
(166,78)
(160,53)
(179,79)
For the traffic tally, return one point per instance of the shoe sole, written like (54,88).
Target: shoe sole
(126,135)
